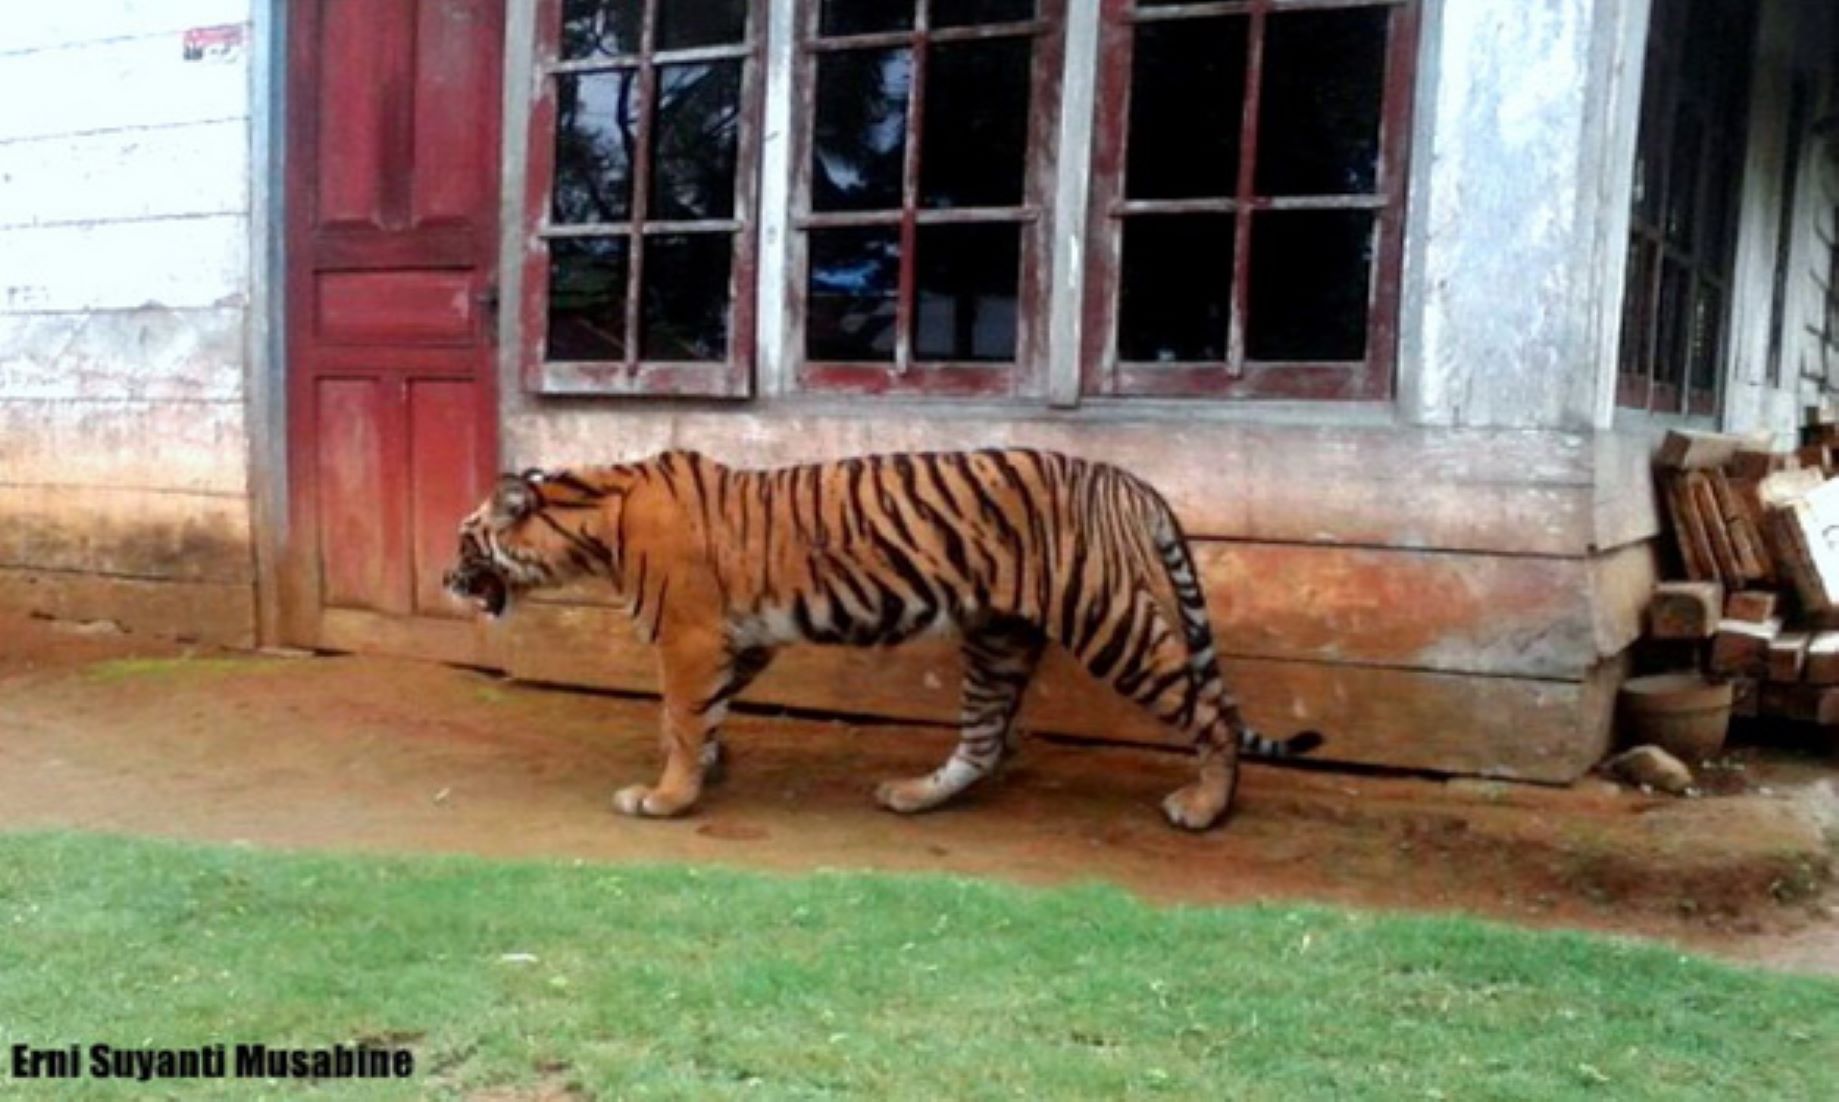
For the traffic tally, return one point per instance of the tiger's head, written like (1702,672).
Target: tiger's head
(529,534)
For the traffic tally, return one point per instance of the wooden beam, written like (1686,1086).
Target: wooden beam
(1685,610)
(1531,729)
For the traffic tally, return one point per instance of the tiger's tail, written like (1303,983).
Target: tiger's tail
(1197,628)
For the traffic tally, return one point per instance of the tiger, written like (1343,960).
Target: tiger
(1009,549)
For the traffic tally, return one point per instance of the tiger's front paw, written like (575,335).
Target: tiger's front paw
(905,797)
(644,802)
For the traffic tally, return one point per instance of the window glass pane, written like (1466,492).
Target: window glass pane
(975,141)
(686,23)
(1176,289)
(965,304)
(850,300)
(861,129)
(1637,312)
(1706,336)
(1675,302)
(1310,277)
(694,140)
(600,28)
(587,298)
(1324,83)
(596,128)
(960,13)
(1187,90)
(841,17)
(686,297)
(1682,187)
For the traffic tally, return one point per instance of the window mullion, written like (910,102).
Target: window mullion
(904,305)
(641,189)
(1072,196)
(1248,157)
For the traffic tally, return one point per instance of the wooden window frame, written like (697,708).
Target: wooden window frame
(1237,376)
(732,378)
(1026,375)
(1647,323)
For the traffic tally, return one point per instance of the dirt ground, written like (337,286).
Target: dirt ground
(101,731)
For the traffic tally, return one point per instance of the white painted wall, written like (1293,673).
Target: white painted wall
(124,296)
(1522,150)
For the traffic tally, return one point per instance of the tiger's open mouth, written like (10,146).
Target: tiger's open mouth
(486,589)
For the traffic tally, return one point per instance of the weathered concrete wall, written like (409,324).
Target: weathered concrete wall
(124,278)
(1518,215)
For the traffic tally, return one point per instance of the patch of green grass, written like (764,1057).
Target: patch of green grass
(123,669)
(692,983)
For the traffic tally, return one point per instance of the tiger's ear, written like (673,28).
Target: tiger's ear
(514,500)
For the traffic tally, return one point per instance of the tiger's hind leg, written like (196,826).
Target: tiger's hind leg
(1146,659)
(999,660)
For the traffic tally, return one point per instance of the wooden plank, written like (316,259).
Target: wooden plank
(177,536)
(1804,531)
(188,170)
(1689,533)
(1801,703)
(197,447)
(176,263)
(1685,610)
(1753,606)
(75,91)
(220,614)
(1536,730)
(1495,614)
(1441,489)
(1823,659)
(1753,463)
(1687,450)
(143,354)
(1703,503)
(56,26)
(1742,649)
(1745,541)
(1788,655)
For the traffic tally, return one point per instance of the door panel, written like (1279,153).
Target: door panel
(393,146)
(437,499)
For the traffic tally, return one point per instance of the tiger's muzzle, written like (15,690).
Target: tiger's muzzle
(481,585)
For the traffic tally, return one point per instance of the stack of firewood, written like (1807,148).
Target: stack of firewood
(1757,533)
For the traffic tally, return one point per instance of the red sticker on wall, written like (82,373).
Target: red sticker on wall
(214,43)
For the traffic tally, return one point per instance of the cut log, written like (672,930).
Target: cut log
(1788,655)
(1685,450)
(1752,606)
(1741,649)
(1685,610)
(1805,534)
(1754,464)
(1823,659)
(1803,703)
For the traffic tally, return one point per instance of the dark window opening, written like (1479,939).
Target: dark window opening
(643,149)
(922,194)
(1248,199)
(1689,160)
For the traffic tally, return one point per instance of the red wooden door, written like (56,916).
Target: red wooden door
(392,180)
